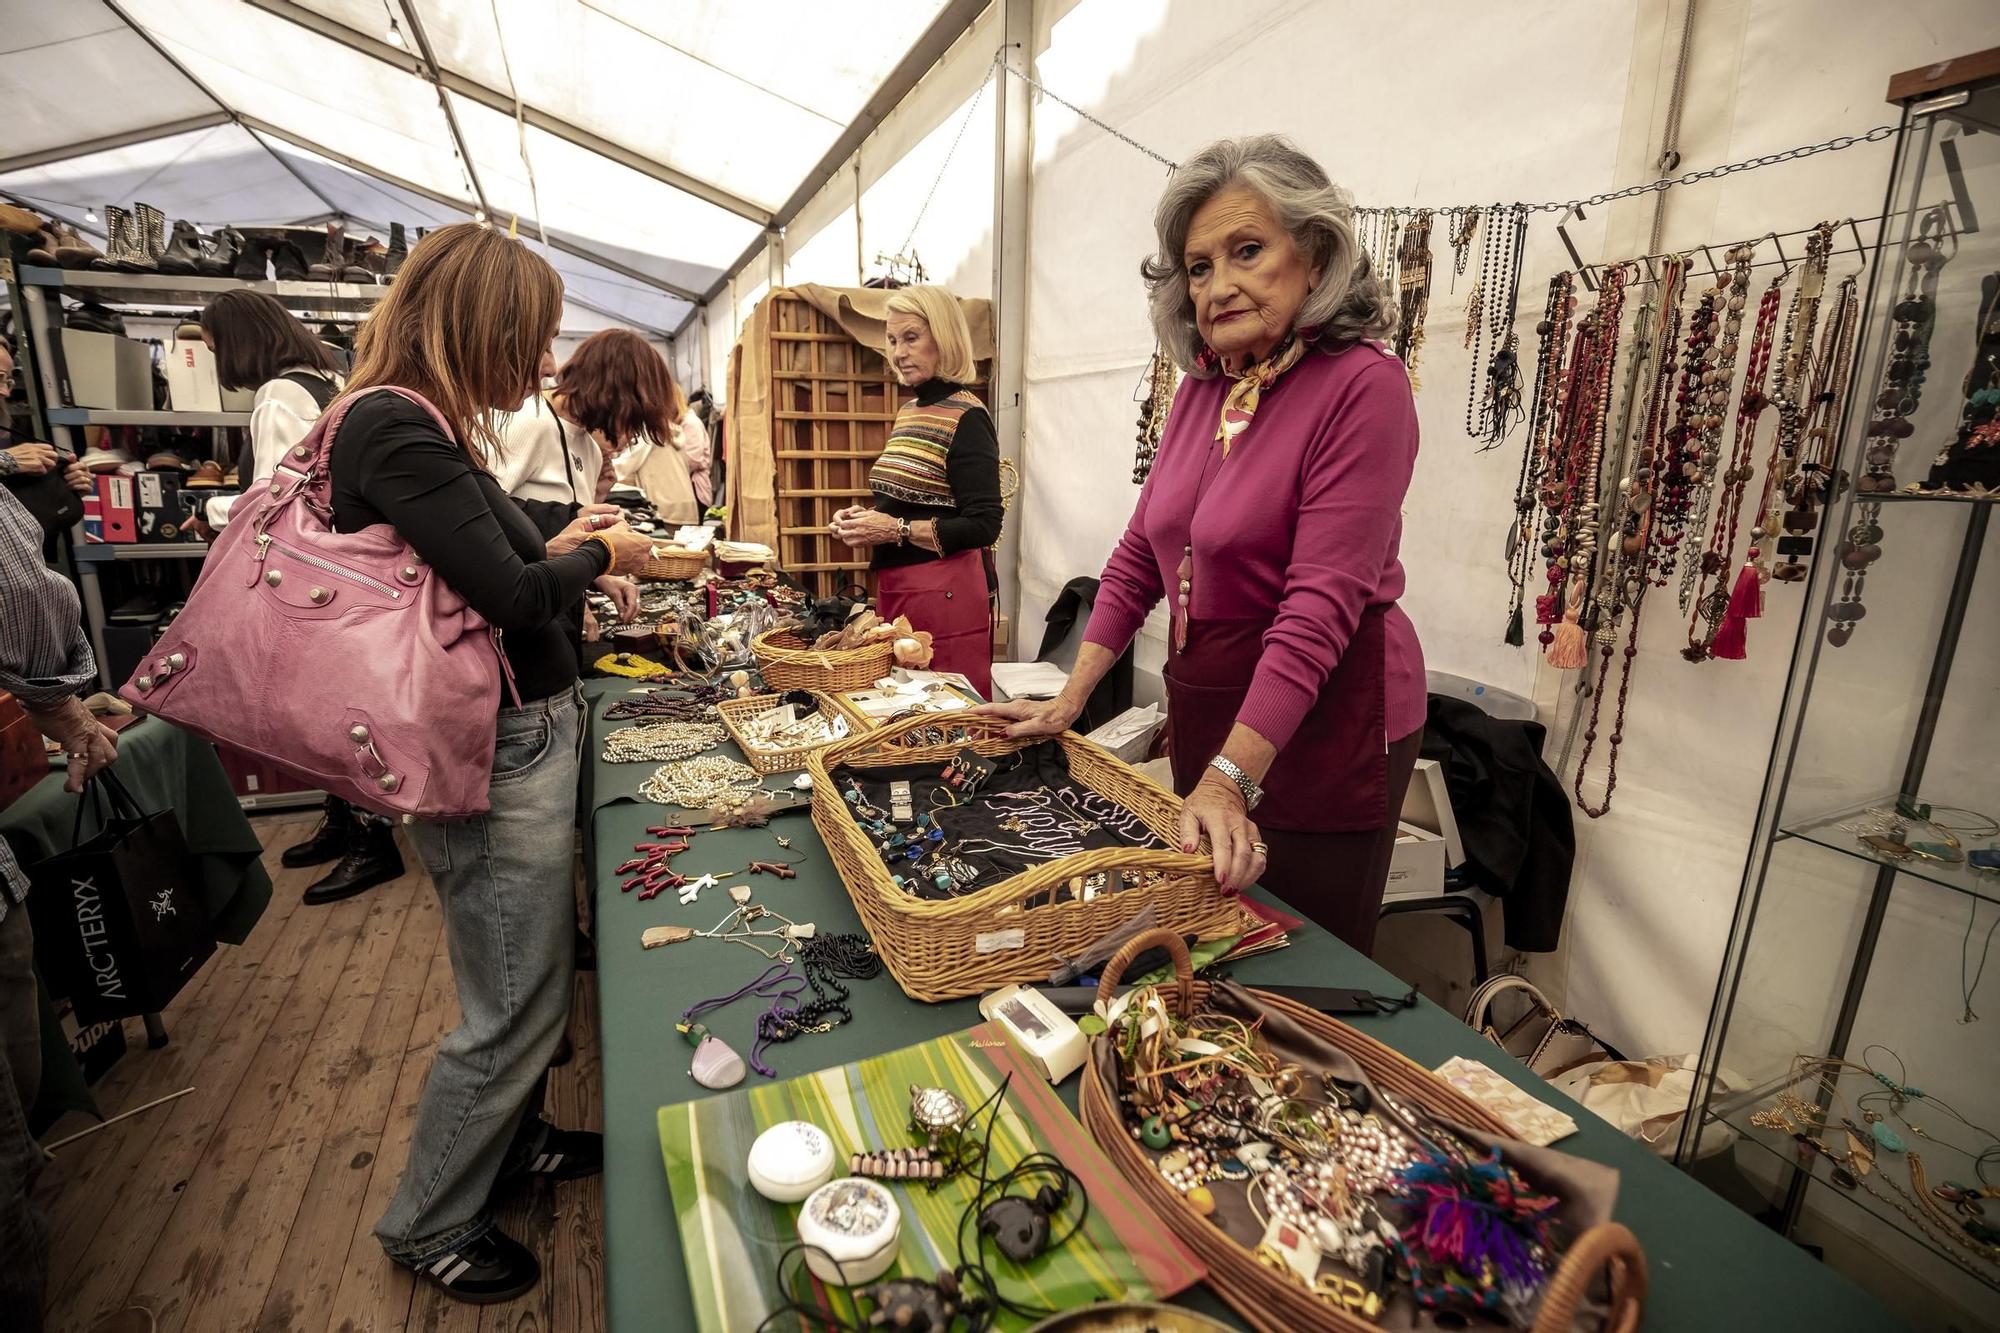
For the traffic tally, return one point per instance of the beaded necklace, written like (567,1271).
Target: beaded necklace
(1702,450)
(660,741)
(1812,477)
(699,784)
(1570,491)
(1493,397)
(1464,226)
(1902,388)
(1711,606)
(1544,413)
(1413,284)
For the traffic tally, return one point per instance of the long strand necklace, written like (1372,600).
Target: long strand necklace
(1546,411)
(1464,226)
(660,742)
(1812,474)
(1154,406)
(1710,606)
(1628,549)
(1499,403)
(1703,449)
(1413,283)
(1571,495)
(1902,389)
(1484,287)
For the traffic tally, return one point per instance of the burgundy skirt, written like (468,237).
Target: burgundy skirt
(947,598)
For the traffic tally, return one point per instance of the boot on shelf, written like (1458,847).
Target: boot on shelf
(152,234)
(288,262)
(372,858)
(251,251)
(118,241)
(354,267)
(334,259)
(224,246)
(373,260)
(399,250)
(185,252)
(72,251)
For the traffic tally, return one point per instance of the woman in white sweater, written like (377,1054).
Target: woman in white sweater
(259,344)
(688,437)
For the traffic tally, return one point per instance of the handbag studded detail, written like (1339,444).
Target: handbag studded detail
(338,656)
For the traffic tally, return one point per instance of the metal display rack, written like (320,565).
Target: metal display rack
(1819,963)
(35,292)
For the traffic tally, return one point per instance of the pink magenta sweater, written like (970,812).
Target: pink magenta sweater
(1300,527)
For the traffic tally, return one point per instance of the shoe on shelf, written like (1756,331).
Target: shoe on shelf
(360,266)
(151,233)
(94,318)
(185,252)
(251,255)
(335,257)
(166,460)
(19,221)
(399,250)
(99,459)
(230,479)
(288,262)
(328,842)
(485,1270)
(220,261)
(118,240)
(72,251)
(139,610)
(41,242)
(372,858)
(207,476)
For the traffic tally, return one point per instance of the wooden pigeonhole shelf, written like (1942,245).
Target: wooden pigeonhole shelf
(833,401)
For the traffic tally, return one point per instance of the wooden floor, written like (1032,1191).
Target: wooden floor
(248,1204)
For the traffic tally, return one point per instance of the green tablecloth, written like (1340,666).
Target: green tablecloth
(1711,1265)
(164,768)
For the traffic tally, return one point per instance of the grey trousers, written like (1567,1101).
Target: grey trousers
(24,1231)
(503,879)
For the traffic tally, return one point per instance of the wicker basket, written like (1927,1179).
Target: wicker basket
(790,663)
(1278,1303)
(934,949)
(860,721)
(735,712)
(673,562)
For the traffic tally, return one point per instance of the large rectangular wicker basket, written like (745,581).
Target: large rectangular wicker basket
(787,759)
(1011,930)
(790,663)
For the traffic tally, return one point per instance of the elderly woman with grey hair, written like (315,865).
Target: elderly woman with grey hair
(1272,518)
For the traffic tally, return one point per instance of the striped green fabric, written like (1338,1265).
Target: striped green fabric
(733,1237)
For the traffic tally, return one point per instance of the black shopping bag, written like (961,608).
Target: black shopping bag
(119,921)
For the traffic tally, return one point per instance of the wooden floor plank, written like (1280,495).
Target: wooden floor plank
(239,1264)
(574,1262)
(300,1298)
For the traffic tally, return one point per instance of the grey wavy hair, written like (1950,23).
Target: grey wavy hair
(1348,304)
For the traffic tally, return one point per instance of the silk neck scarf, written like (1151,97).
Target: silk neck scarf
(1240,404)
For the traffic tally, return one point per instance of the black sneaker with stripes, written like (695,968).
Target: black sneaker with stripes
(485,1270)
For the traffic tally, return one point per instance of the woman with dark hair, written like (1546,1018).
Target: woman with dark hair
(464,327)
(687,436)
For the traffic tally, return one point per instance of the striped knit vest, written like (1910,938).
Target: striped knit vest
(912,465)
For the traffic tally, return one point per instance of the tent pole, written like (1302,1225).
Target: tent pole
(1012,131)
(444,105)
(105,143)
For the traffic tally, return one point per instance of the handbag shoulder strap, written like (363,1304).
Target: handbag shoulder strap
(307,468)
(1478,1009)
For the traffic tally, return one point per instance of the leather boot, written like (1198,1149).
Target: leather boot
(329,842)
(353,268)
(372,858)
(149,238)
(334,259)
(220,261)
(185,251)
(399,250)
(117,241)
(288,262)
(72,251)
(250,256)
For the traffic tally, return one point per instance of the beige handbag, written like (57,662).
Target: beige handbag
(1541,1037)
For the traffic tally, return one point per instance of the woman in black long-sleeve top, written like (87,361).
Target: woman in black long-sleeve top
(465,326)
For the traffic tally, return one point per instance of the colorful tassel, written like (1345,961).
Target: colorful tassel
(1747,600)
(1514,628)
(1568,651)
(1731,639)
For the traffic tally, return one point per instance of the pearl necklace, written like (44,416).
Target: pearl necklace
(697,784)
(660,742)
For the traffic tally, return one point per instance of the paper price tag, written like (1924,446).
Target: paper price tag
(996,941)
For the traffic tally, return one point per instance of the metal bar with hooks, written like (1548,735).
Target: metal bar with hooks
(1592,274)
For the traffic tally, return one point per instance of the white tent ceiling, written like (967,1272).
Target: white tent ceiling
(652,142)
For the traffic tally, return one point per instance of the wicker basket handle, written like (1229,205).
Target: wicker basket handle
(1612,1249)
(1157,938)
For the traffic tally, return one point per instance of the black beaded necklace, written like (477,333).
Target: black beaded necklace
(1545,412)
(1493,397)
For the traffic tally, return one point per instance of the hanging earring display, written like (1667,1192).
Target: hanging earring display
(1413,285)
(1902,389)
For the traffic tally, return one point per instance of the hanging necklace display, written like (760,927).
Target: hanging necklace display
(1902,388)
(1545,410)
(1413,285)
(1812,476)
(1628,548)
(1385,260)
(1493,397)
(1712,605)
(1570,486)
(1702,406)
(1155,402)
(1464,226)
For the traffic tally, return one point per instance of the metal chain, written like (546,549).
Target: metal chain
(1833,145)
(1114,132)
(945,166)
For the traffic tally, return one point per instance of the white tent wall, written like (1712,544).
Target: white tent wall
(1655,881)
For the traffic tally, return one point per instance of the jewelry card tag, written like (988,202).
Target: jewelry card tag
(997,941)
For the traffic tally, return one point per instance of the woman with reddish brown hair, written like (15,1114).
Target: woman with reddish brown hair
(464,329)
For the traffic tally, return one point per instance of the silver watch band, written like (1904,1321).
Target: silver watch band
(1252,793)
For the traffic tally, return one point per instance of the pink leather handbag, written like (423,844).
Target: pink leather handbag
(340,656)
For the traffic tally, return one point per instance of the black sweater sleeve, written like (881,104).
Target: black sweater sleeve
(973,469)
(399,465)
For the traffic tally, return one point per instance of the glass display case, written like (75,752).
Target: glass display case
(1849,1086)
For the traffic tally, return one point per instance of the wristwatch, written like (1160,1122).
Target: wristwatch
(902,532)
(1252,793)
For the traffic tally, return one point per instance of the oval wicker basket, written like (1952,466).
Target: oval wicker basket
(1011,930)
(790,663)
(1273,1303)
(784,759)
(674,562)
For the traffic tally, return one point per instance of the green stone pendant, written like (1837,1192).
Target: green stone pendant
(1886,1136)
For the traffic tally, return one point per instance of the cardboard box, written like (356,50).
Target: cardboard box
(1416,867)
(119,511)
(190,372)
(1427,804)
(107,371)
(161,513)
(238,400)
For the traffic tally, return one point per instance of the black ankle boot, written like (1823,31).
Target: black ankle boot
(329,842)
(250,252)
(371,859)
(288,262)
(185,252)
(220,261)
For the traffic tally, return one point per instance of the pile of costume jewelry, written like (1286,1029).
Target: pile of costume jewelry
(1354,1193)
(660,741)
(795,723)
(974,821)
(1891,833)
(711,782)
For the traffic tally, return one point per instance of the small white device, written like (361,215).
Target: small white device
(1049,1036)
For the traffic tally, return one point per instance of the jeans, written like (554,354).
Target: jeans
(503,879)
(24,1231)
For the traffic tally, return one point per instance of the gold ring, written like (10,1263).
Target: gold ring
(1260,848)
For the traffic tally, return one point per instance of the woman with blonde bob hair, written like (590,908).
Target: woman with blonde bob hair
(937,489)
(460,336)
(1273,517)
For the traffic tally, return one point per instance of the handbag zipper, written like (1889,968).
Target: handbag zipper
(265,542)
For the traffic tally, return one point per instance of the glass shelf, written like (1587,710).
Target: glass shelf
(1879,1195)
(1935,497)
(1959,876)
